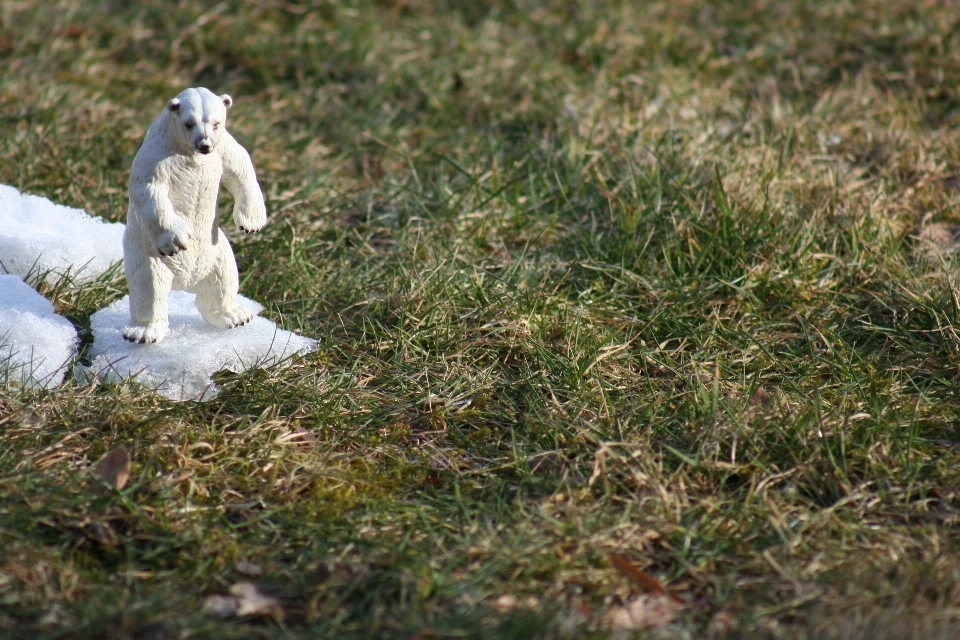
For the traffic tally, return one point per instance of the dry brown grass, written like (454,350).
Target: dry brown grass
(668,280)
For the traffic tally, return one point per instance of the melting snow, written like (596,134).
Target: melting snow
(180,366)
(36,345)
(39,236)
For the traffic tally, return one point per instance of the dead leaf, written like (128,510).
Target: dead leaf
(939,237)
(101,533)
(244,600)
(254,603)
(159,630)
(55,615)
(298,436)
(113,469)
(422,424)
(508,602)
(223,606)
(551,461)
(29,419)
(720,624)
(643,612)
(248,568)
(946,443)
(761,398)
(432,479)
(641,578)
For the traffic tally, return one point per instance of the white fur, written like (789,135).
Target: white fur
(173,239)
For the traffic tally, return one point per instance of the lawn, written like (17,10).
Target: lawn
(600,287)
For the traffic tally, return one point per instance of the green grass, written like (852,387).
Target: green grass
(588,278)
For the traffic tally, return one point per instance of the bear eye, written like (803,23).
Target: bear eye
(188,125)
(216,125)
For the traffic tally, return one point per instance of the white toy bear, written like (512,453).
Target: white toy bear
(173,239)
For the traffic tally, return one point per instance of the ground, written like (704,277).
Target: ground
(599,287)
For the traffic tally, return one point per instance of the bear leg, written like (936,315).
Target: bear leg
(217,292)
(150,282)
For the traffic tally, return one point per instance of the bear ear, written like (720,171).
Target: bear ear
(173,105)
(227,101)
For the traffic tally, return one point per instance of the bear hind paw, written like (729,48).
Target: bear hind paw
(235,317)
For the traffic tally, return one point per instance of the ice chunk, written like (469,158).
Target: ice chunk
(43,237)
(180,366)
(36,345)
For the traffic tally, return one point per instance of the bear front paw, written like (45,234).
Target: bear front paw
(154,332)
(252,221)
(172,242)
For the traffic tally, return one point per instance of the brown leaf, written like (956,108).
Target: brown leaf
(254,603)
(28,419)
(423,423)
(641,578)
(244,600)
(761,398)
(643,612)
(720,624)
(939,237)
(547,462)
(101,533)
(508,602)
(298,436)
(433,479)
(248,568)
(223,606)
(114,468)
(946,443)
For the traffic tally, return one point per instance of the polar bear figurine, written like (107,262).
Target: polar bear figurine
(173,239)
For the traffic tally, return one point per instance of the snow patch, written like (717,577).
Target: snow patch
(40,236)
(36,345)
(181,365)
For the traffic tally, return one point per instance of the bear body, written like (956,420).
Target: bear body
(173,238)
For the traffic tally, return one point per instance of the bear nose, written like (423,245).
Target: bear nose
(204,147)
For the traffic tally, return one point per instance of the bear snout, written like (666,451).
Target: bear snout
(204,146)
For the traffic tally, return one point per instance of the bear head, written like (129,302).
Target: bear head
(199,118)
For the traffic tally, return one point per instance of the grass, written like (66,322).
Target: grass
(589,278)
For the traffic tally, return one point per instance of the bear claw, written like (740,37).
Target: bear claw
(239,324)
(237,316)
(172,242)
(141,334)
